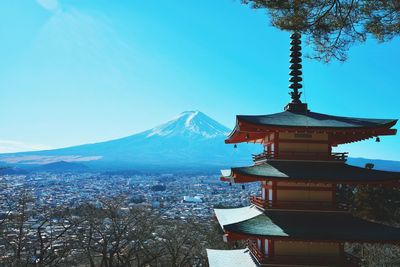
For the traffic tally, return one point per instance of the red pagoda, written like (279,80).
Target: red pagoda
(297,220)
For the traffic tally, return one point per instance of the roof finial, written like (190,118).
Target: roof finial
(295,67)
(295,72)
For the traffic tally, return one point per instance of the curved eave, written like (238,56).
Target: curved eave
(236,175)
(231,177)
(312,226)
(238,235)
(235,215)
(247,178)
(249,132)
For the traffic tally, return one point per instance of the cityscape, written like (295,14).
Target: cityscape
(174,196)
(170,197)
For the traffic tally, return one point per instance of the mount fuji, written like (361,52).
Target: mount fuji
(190,141)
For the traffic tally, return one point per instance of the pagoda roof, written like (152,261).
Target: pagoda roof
(313,226)
(311,171)
(313,119)
(229,216)
(223,258)
(252,127)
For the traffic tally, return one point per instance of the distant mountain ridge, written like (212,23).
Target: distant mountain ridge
(380,164)
(62,166)
(189,141)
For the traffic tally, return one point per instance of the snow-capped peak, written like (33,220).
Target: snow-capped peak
(192,114)
(190,123)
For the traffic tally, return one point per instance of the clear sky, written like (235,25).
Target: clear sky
(75,72)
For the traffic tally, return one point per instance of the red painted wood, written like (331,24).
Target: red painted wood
(262,246)
(303,188)
(303,141)
(237,236)
(271,248)
(247,178)
(274,193)
(276,144)
(298,205)
(334,193)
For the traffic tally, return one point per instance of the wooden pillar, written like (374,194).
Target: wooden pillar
(334,200)
(271,248)
(264,190)
(276,144)
(274,193)
(262,250)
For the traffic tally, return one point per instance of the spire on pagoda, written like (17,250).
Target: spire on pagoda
(295,68)
(295,74)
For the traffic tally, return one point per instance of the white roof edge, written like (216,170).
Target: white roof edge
(224,258)
(226,173)
(229,216)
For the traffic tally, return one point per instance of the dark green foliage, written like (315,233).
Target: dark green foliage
(333,26)
(345,194)
(373,255)
(373,203)
(378,203)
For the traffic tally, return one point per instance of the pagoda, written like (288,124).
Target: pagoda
(297,219)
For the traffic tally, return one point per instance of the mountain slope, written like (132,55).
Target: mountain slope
(62,166)
(379,164)
(192,139)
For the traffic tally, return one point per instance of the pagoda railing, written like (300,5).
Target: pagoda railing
(298,205)
(347,260)
(255,252)
(336,156)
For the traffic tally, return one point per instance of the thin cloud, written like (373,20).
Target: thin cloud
(10,146)
(35,159)
(50,5)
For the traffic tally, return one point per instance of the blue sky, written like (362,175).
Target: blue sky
(75,72)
